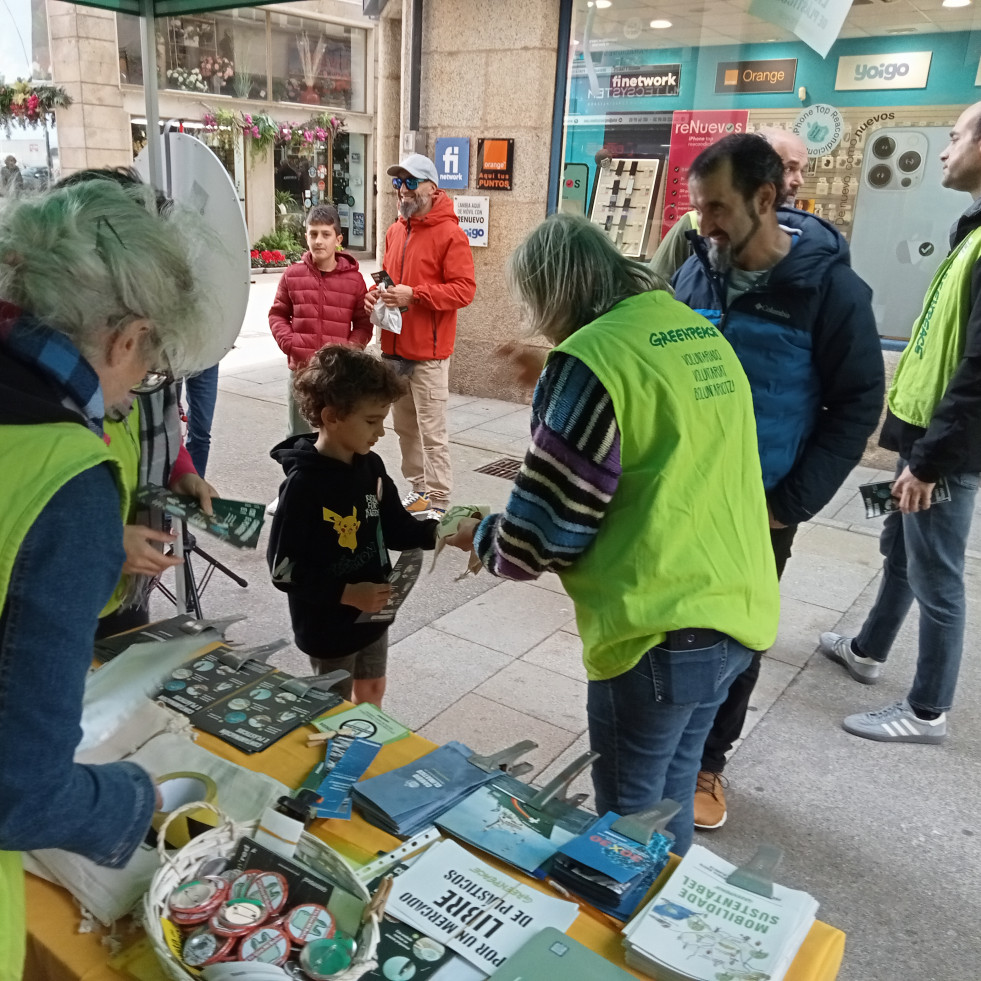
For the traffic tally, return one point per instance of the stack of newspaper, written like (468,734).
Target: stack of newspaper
(700,927)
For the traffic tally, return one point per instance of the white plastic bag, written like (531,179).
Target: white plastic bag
(386,317)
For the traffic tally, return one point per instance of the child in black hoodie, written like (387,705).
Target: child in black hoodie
(338,514)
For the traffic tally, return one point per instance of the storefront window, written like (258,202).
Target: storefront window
(649,87)
(316,63)
(325,173)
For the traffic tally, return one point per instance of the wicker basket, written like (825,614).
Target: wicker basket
(178,866)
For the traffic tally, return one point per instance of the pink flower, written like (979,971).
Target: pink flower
(321,135)
(248,120)
(308,136)
(255,132)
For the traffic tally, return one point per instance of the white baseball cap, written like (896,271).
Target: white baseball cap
(417,166)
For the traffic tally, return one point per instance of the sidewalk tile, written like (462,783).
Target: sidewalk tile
(512,618)
(517,425)
(583,783)
(536,691)
(430,670)
(801,624)
(774,678)
(487,726)
(550,581)
(560,652)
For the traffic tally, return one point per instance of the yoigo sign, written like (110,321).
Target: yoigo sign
(452,159)
(473,214)
(903,70)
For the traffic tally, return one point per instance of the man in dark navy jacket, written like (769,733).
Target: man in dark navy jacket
(778,284)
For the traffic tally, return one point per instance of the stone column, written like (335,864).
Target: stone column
(388,45)
(95,131)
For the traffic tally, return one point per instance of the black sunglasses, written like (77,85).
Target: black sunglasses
(410,183)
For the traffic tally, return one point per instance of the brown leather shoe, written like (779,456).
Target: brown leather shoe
(710,801)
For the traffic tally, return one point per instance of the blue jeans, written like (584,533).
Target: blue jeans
(201,393)
(649,726)
(924,560)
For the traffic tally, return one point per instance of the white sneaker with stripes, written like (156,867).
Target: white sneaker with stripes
(897,724)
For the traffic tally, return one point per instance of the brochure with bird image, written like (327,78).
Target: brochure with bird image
(403,577)
(236,522)
(878,497)
(500,819)
(471,907)
(700,926)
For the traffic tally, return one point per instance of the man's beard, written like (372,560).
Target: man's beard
(407,207)
(720,256)
(119,411)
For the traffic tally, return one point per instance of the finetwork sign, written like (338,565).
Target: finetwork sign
(645,80)
(452,159)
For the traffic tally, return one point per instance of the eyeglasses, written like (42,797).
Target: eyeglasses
(409,183)
(153,381)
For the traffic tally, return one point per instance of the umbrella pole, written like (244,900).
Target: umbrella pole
(148,44)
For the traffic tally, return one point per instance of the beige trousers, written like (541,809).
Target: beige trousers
(419,418)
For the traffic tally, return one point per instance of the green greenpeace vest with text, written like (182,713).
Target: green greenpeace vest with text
(685,540)
(936,344)
(41,459)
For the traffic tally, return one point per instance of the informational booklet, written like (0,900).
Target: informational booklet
(403,577)
(701,927)
(878,497)
(253,719)
(500,819)
(406,799)
(364,720)
(475,910)
(236,522)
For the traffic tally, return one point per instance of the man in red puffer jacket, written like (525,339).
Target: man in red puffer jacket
(427,257)
(320,301)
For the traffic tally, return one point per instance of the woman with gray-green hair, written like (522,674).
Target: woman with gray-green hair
(642,489)
(97,298)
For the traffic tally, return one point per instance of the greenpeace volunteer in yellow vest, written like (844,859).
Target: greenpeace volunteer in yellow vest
(934,423)
(96,292)
(642,414)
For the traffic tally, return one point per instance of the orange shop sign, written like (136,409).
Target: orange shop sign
(495,164)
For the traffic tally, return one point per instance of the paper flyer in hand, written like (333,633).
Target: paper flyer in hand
(878,497)
(471,907)
(403,578)
(236,522)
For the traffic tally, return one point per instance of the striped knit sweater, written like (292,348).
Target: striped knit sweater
(568,477)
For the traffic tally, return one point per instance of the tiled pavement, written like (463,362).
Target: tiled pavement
(888,838)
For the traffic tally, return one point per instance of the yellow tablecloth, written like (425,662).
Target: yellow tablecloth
(56,952)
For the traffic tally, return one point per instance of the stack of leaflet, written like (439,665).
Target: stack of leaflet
(405,800)
(712,920)
(610,869)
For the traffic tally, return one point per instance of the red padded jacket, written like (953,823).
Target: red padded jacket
(314,308)
(432,255)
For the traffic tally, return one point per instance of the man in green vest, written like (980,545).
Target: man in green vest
(934,423)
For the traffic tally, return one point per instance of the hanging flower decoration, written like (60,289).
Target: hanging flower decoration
(30,105)
(261,131)
(322,128)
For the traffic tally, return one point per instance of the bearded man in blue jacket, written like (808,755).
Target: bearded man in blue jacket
(778,284)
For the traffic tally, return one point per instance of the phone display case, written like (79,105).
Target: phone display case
(623,205)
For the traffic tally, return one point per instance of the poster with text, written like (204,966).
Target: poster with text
(692,130)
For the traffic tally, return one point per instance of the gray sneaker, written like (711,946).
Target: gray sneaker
(897,724)
(864,669)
